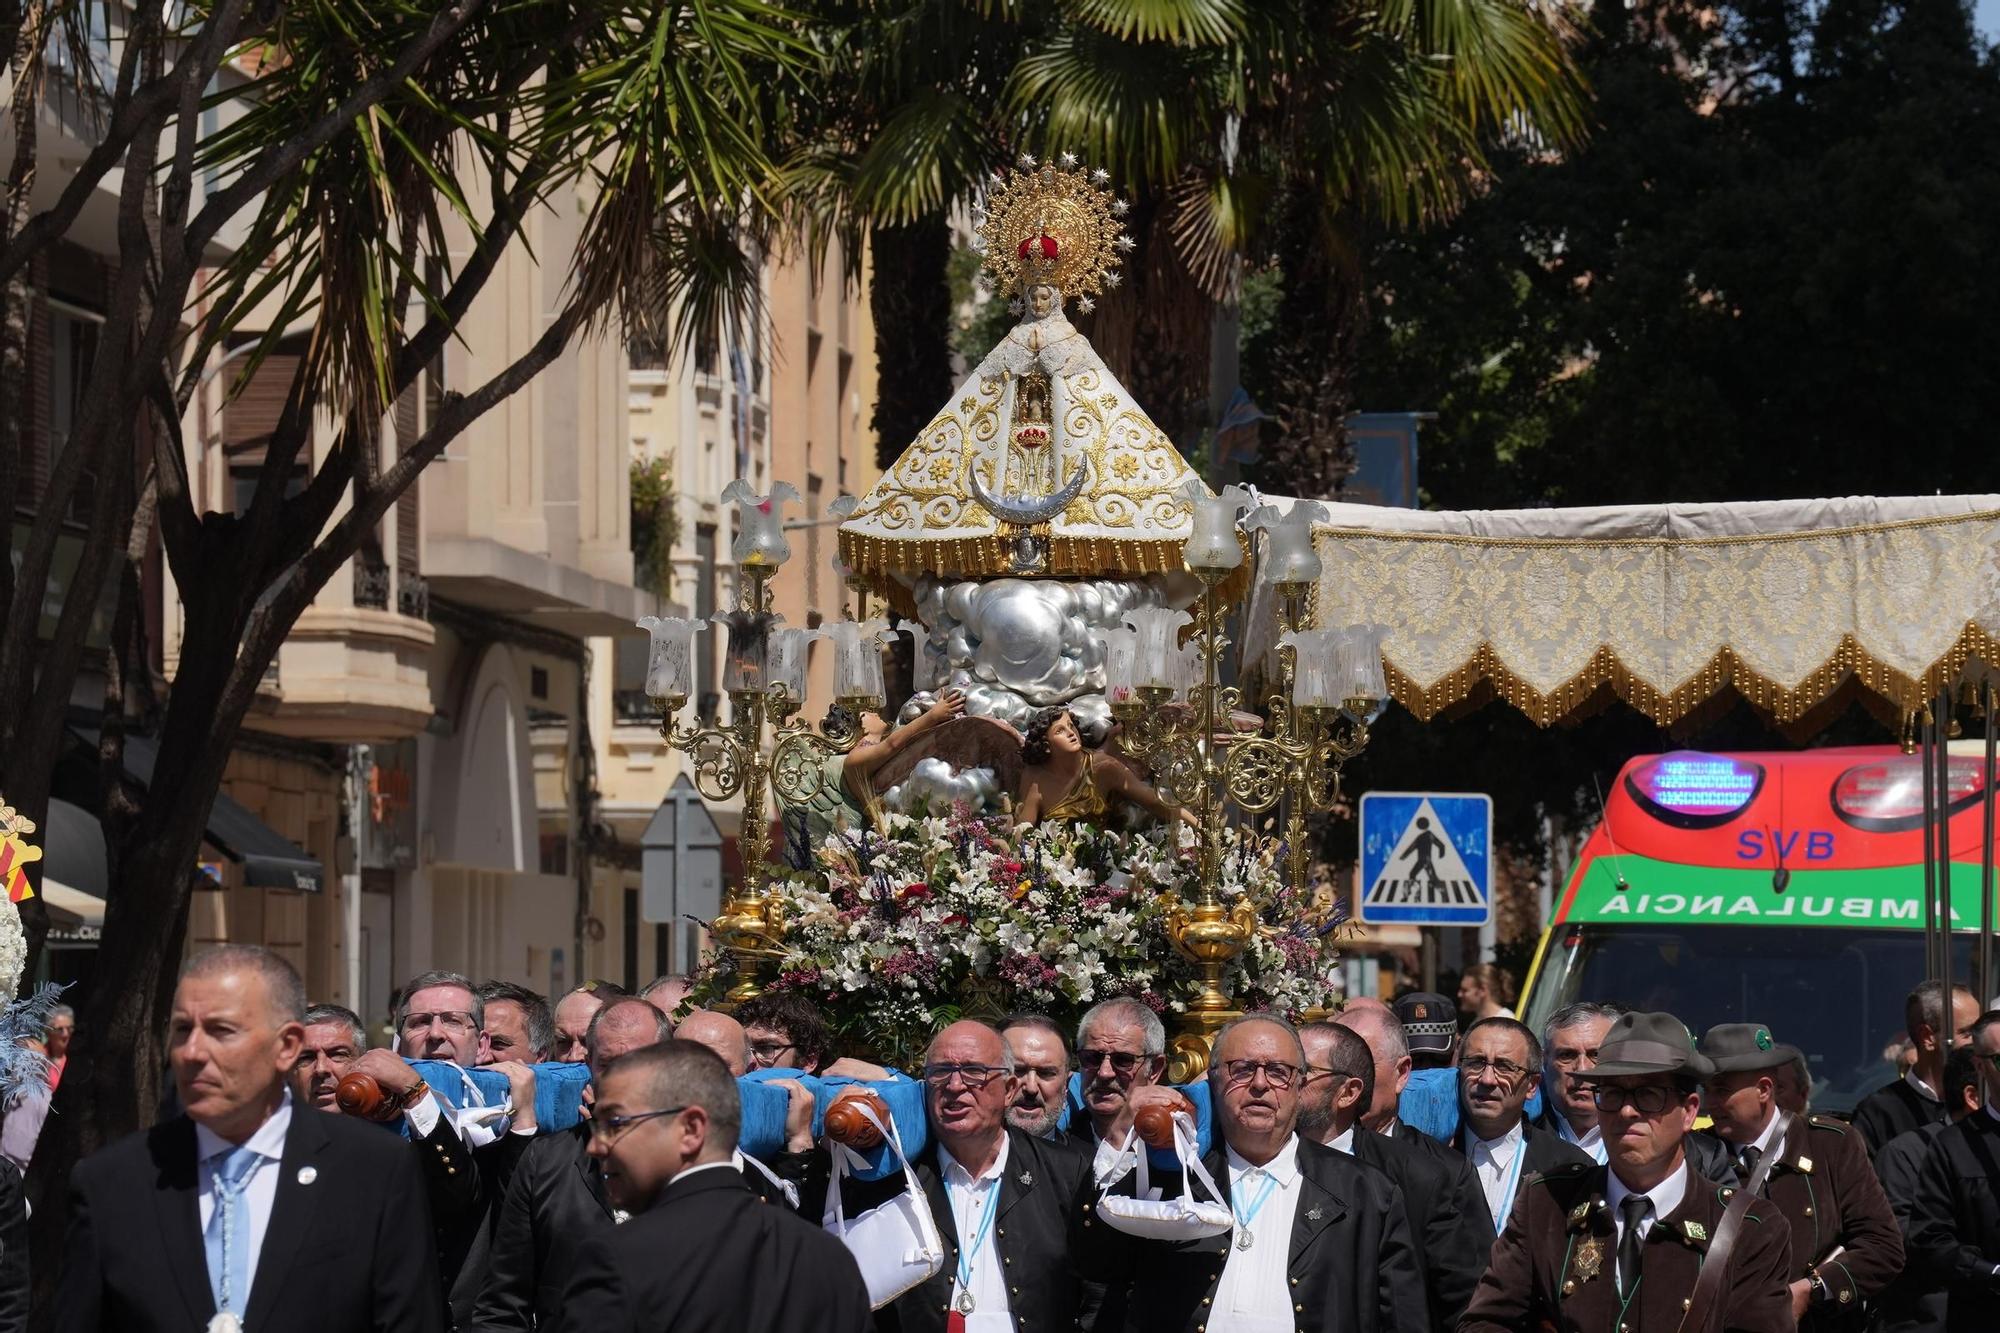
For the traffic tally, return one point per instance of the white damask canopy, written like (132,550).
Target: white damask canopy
(1789,603)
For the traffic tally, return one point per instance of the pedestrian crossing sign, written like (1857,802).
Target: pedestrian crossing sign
(1426,858)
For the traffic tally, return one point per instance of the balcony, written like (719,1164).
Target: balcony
(356,673)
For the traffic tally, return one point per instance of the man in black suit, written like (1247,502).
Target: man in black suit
(276,1215)
(1447,1212)
(702,1254)
(1913,1100)
(1955,1219)
(1121,1047)
(1320,1241)
(1915,1301)
(1015,1212)
(1499,1069)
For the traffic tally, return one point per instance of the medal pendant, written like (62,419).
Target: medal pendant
(1245,1239)
(964,1302)
(225,1321)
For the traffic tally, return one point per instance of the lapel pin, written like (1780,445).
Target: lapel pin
(308,1174)
(1027,1179)
(1696,1231)
(1313,1213)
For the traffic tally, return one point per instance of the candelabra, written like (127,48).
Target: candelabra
(1329,688)
(764,675)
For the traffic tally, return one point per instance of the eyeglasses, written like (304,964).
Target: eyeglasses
(450,1022)
(1650,1100)
(1504,1070)
(767,1053)
(1090,1060)
(1571,1059)
(974,1077)
(1276,1072)
(1319,1071)
(608,1129)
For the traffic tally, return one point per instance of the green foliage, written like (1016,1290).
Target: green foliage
(656,525)
(978,322)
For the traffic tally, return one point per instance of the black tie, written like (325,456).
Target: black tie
(1633,1208)
(1746,1163)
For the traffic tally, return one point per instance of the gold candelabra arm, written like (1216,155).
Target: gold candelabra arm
(1260,771)
(798,759)
(717,757)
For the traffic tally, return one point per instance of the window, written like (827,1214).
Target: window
(243,484)
(629,704)
(72,348)
(538,682)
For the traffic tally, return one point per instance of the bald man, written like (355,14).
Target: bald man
(1029,1268)
(721,1034)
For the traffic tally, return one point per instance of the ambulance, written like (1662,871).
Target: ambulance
(1782,888)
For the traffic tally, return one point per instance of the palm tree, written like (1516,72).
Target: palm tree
(1250,132)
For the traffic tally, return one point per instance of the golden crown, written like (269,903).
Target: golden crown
(1055,223)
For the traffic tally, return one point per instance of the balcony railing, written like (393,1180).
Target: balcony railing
(371,585)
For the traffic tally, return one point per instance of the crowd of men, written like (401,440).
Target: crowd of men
(1314,1205)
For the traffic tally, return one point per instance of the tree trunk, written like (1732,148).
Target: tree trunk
(1311,353)
(1153,331)
(909,296)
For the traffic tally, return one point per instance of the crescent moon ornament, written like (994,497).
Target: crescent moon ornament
(1029,511)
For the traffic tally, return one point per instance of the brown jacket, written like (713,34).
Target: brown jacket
(1827,1190)
(1553,1267)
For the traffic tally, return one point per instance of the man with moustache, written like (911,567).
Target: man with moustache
(1441,1198)
(1041,1062)
(1121,1046)
(334,1039)
(556,1204)
(1618,1248)
(1846,1247)
(1023,1248)
(1499,1069)
(702,1254)
(224,1216)
(1320,1241)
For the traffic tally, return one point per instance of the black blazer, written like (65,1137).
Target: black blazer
(13,1250)
(712,1256)
(1353,1262)
(1955,1220)
(1893,1109)
(1447,1215)
(1545,1151)
(553,1209)
(1049,1239)
(350,1252)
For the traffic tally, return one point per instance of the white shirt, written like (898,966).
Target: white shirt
(1388,1131)
(971,1201)
(1493,1162)
(1666,1197)
(1923,1088)
(1763,1143)
(260,1190)
(1114,1161)
(1592,1143)
(1343,1141)
(1254,1295)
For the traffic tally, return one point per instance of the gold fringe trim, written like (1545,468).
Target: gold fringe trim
(884,561)
(1850,661)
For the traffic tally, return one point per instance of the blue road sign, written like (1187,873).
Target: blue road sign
(1426,858)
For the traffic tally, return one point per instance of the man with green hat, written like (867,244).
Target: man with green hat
(1846,1247)
(1619,1248)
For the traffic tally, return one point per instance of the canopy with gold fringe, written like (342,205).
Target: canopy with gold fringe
(1789,603)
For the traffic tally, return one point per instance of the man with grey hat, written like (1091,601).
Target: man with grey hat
(1620,1248)
(1846,1247)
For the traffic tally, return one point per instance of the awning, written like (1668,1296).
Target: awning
(74,874)
(269,859)
(1787,603)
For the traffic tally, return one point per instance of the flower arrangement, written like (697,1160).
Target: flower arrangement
(899,931)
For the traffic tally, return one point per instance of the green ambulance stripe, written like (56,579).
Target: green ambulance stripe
(1669,891)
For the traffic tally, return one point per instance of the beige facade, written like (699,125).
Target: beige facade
(792,404)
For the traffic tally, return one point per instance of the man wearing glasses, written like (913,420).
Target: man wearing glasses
(702,1253)
(1599,1249)
(786,1031)
(1955,1218)
(1121,1047)
(1319,1241)
(1499,1068)
(1570,1042)
(1023,1248)
(1846,1248)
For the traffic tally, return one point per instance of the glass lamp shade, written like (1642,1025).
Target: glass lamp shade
(745,664)
(1363,685)
(857,660)
(760,523)
(839,510)
(1213,546)
(1314,683)
(1119,646)
(1188,663)
(1288,552)
(785,657)
(670,664)
(1155,659)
